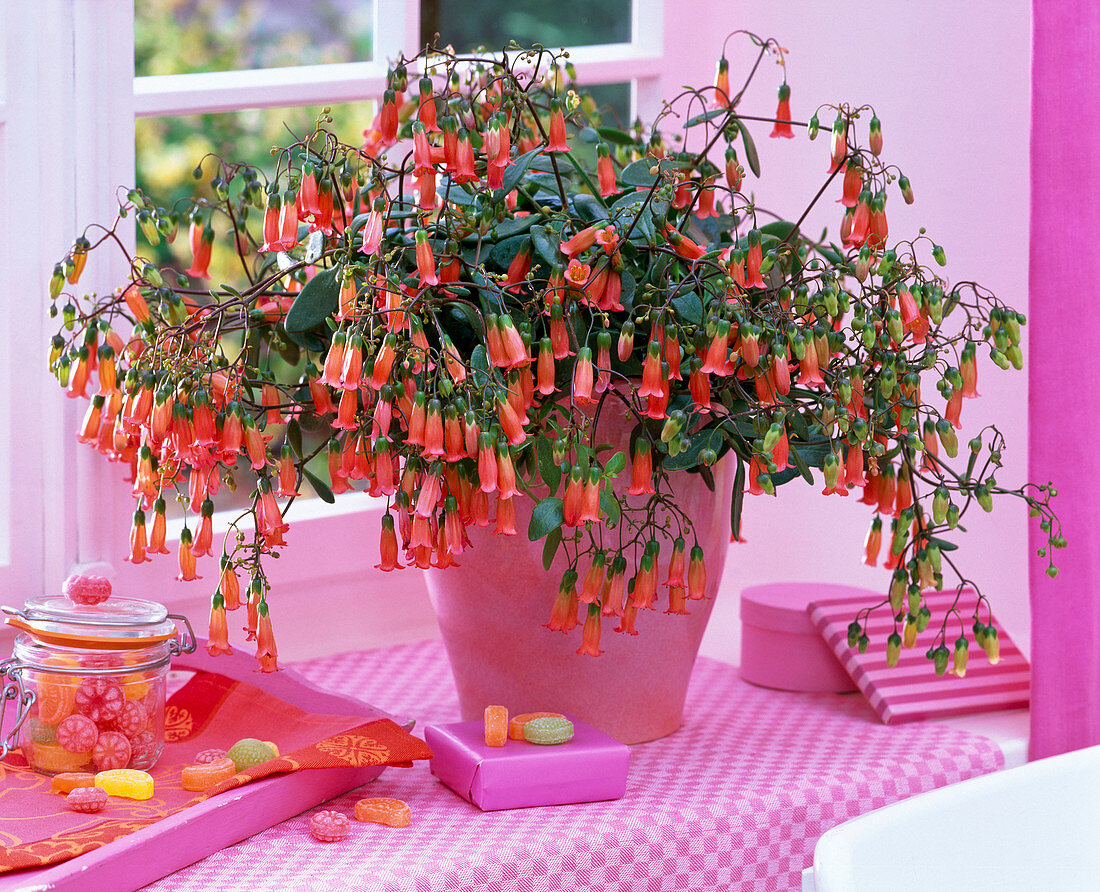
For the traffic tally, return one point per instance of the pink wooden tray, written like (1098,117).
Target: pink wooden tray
(190,835)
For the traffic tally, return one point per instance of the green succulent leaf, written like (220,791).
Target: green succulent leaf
(318,300)
(546,517)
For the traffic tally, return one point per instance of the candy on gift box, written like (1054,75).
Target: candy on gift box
(548,730)
(496,725)
(86,799)
(129,783)
(68,781)
(199,777)
(516,723)
(249,752)
(390,812)
(329,826)
(591,768)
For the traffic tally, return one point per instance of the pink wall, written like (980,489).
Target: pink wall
(950,82)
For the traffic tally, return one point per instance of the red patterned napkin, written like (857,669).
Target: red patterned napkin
(210,711)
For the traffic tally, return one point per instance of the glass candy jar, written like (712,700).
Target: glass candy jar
(87,682)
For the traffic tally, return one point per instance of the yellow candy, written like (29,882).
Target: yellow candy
(273,747)
(51,758)
(129,783)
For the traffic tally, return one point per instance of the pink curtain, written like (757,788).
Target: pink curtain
(1064,361)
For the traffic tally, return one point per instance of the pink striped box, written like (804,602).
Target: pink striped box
(911,690)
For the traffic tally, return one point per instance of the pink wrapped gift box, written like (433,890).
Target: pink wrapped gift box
(589,768)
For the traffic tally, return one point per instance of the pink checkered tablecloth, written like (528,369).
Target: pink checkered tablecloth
(735,800)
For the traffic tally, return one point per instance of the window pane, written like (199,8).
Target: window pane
(613,101)
(171,37)
(493,23)
(167,150)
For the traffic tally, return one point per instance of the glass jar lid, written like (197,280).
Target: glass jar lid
(115,624)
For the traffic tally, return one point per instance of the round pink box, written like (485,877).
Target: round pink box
(780,648)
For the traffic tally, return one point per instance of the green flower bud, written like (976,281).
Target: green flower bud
(897,586)
(948,438)
(984,497)
(775,432)
(962,651)
(57,281)
(893,649)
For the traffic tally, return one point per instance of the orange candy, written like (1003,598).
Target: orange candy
(56,699)
(390,812)
(496,725)
(199,777)
(135,687)
(68,781)
(515,726)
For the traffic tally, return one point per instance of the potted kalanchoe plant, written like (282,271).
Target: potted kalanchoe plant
(449,315)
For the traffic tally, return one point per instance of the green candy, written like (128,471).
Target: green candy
(548,731)
(43,733)
(249,752)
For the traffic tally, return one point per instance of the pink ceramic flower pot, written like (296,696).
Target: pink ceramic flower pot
(493,608)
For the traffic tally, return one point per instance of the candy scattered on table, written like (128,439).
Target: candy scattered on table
(249,752)
(87,590)
(515,725)
(212,755)
(496,725)
(390,812)
(129,783)
(86,799)
(548,731)
(68,781)
(77,734)
(111,751)
(100,699)
(199,777)
(329,826)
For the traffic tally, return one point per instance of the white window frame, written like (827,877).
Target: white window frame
(68,114)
